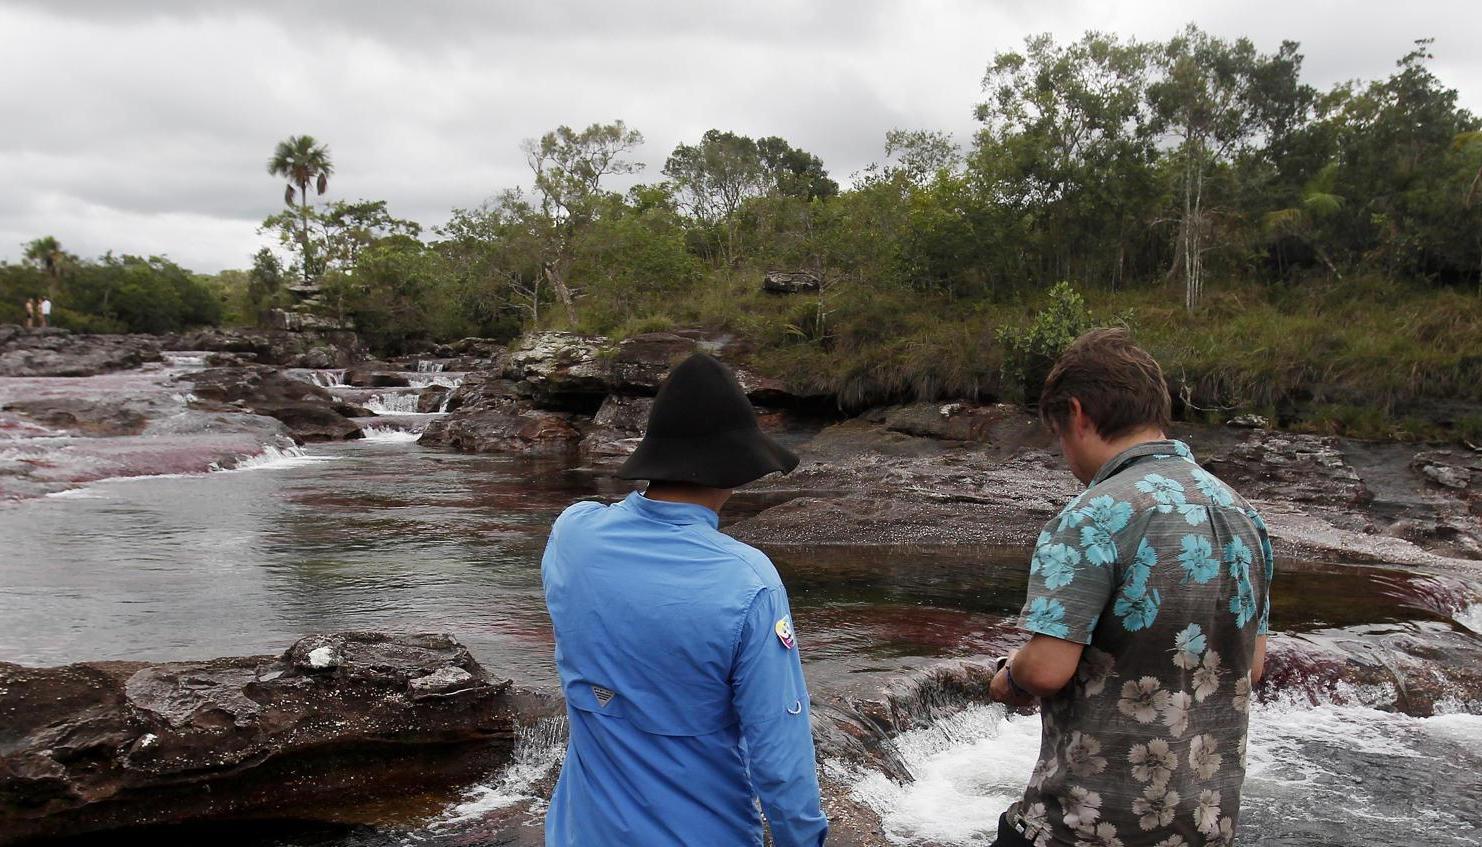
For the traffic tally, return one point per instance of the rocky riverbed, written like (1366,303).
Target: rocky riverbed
(138,742)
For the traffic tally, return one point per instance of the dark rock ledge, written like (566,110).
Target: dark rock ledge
(336,721)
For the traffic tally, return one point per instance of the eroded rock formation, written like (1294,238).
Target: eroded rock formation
(334,721)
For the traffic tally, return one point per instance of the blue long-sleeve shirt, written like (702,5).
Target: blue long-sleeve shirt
(683,685)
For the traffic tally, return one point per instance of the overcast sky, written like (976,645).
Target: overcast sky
(145,127)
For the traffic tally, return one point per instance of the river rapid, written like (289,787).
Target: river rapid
(384,534)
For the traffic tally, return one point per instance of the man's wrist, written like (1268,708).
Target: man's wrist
(1008,672)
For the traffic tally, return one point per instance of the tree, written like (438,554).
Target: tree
(569,167)
(713,178)
(1214,98)
(46,255)
(1067,148)
(303,162)
(347,229)
(264,282)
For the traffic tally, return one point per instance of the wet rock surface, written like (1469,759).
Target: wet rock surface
(60,353)
(964,473)
(310,349)
(91,747)
(310,412)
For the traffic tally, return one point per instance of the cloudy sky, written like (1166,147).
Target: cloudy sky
(144,126)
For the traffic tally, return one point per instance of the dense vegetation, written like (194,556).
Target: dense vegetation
(1314,255)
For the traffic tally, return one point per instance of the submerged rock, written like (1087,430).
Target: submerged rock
(57,352)
(336,720)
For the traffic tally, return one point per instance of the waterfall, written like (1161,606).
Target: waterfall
(428,367)
(539,749)
(392,404)
(328,379)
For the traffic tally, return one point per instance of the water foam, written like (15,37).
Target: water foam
(539,749)
(272,457)
(967,769)
(392,404)
(1471,617)
(389,435)
(1303,759)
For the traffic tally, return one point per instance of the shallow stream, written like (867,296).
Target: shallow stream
(384,534)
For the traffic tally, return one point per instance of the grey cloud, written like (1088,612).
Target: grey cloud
(146,126)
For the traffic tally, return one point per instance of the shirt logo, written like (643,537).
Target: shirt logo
(603,695)
(785,633)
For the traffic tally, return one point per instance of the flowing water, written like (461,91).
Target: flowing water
(384,534)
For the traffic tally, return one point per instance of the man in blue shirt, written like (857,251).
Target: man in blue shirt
(675,645)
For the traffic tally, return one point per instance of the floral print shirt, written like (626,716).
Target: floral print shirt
(1162,571)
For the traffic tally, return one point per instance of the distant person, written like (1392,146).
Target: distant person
(30,312)
(675,645)
(46,311)
(1148,603)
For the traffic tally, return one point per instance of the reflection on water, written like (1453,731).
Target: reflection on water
(383,534)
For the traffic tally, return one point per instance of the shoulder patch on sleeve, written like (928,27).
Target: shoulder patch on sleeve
(785,633)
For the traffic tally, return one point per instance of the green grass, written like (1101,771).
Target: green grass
(1364,357)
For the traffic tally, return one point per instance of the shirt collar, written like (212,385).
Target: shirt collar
(1160,449)
(679,514)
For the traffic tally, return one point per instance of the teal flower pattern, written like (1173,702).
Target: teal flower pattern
(1197,559)
(1106,518)
(1047,616)
(1167,492)
(1210,486)
(1138,612)
(1056,563)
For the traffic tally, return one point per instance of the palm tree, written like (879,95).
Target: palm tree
(302,161)
(46,253)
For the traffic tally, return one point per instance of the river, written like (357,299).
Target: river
(384,534)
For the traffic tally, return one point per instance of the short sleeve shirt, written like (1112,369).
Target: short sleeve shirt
(1163,572)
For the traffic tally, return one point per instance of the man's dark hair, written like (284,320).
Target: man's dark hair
(1120,386)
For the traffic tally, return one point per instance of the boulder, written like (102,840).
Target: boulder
(504,430)
(335,720)
(56,352)
(1449,469)
(1001,425)
(306,349)
(311,412)
(789,282)
(561,371)
(1249,422)
(432,398)
(367,378)
(617,426)
(1291,468)
(83,416)
(641,362)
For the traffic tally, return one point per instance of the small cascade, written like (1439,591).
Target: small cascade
(184,360)
(388,434)
(442,408)
(539,749)
(425,366)
(429,380)
(328,378)
(392,404)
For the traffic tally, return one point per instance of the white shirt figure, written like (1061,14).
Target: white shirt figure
(46,308)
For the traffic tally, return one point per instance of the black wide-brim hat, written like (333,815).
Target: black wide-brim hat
(703,431)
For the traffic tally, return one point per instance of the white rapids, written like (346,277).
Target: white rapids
(1320,766)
